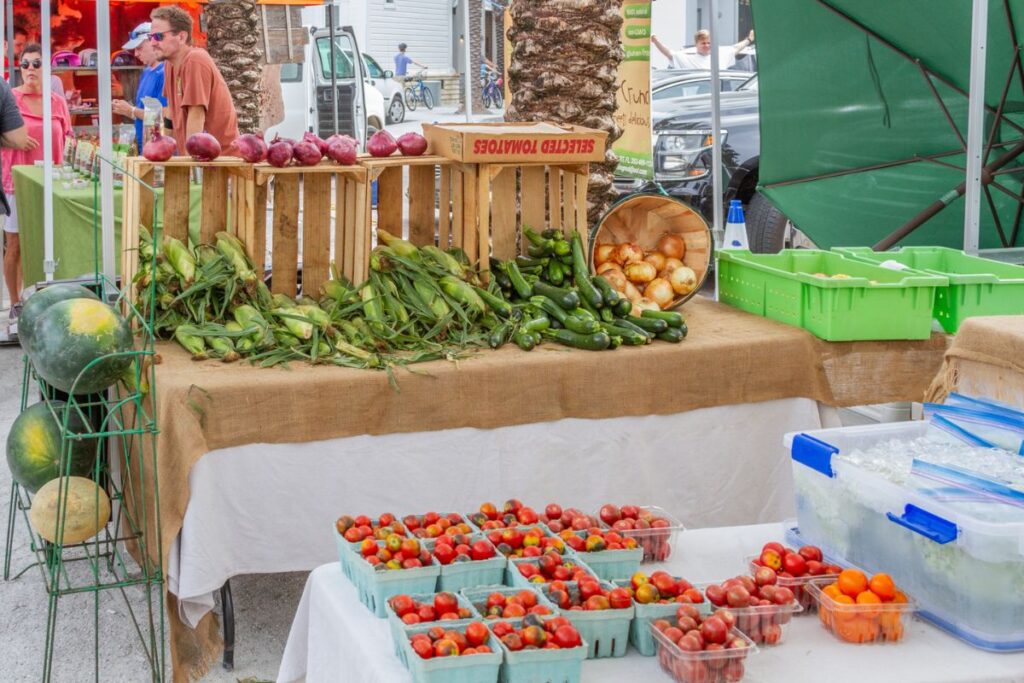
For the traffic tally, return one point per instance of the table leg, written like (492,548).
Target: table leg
(228,607)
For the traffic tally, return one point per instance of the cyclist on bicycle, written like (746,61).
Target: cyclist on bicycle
(402,62)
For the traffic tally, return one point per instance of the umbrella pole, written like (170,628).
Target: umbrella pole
(975,127)
(106,166)
(716,130)
(47,142)
(985,175)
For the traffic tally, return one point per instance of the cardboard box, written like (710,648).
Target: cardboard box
(516,143)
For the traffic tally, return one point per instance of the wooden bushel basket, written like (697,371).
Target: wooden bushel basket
(645,219)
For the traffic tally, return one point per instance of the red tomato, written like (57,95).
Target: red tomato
(458,638)
(714,630)
(402,604)
(810,552)
(411,618)
(795,564)
(619,598)
(513,642)
(424,648)
(446,602)
(482,550)
(444,553)
(502,628)
(533,635)
(446,648)
(426,613)
(566,636)
(527,598)
(477,634)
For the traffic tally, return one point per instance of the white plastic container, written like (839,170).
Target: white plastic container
(964,567)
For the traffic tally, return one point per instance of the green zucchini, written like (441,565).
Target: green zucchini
(630,337)
(598,341)
(497,304)
(555,274)
(672,334)
(610,296)
(623,307)
(525,340)
(541,322)
(626,325)
(581,275)
(671,317)
(566,298)
(519,283)
(499,336)
(581,326)
(652,325)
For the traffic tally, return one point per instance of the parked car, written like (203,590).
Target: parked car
(671,84)
(683,162)
(390,89)
(306,89)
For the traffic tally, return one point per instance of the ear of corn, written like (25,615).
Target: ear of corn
(181,260)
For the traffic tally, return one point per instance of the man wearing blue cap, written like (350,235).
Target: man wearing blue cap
(151,84)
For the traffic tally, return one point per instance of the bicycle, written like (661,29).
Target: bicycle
(493,92)
(417,93)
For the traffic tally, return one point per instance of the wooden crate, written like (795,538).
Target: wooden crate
(536,195)
(224,180)
(350,189)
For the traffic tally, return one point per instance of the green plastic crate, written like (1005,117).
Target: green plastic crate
(797,287)
(977,286)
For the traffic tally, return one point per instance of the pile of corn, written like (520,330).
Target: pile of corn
(418,304)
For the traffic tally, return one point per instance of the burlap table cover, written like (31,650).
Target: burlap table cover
(986,359)
(729,357)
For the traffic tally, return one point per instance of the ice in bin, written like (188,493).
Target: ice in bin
(945,519)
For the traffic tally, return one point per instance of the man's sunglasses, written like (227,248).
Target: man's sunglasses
(138,34)
(160,36)
(34,64)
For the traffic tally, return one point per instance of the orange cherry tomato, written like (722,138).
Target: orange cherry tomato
(852,582)
(882,585)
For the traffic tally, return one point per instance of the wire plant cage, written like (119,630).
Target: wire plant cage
(119,426)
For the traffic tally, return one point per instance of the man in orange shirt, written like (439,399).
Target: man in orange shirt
(198,99)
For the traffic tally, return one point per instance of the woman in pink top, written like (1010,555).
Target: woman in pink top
(29,98)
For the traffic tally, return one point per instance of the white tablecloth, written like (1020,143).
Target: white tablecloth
(267,508)
(334,638)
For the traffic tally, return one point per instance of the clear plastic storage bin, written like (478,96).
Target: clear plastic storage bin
(962,558)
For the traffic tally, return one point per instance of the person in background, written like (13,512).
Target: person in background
(151,84)
(402,62)
(28,98)
(198,99)
(700,59)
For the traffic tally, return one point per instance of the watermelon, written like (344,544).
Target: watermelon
(40,301)
(34,446)
(87,510)
(71,335)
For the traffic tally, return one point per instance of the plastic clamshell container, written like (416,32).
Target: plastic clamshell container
(543,665)
(763,624)
(606,631)
(479,668)
(657,544)
(477,596)
(611,564)
(399,627)
(645,613)
(706,666)
(861,624)
(514,578)
(376,586)
(977,286)
(798,287)
(797,584)
(964,568)
(459,575)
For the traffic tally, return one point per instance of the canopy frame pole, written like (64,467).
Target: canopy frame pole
(976,126)
(716,130)
(334,70)
(106,120)
(467,58)
(49,267)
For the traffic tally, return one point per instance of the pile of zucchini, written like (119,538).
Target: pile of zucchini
(552,295)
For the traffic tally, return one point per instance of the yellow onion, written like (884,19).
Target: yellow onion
(645,304)
(629,252)
(608,265)
(631,292)
(656,259)
(660,292)
(641,272)
(616,279)
(670,265)
(672,246)
(604,253)
(683,280)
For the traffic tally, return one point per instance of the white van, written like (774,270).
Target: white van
(306,90)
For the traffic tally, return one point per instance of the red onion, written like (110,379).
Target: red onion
(160,148)
(314,139)
(280,153)
(412,144)
(306,153)
(381,144)
(251,148)
(342,151)
(203,147)
(347,138)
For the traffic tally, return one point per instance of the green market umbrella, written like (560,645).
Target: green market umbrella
(864,110)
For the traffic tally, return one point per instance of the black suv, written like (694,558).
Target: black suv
(682,161)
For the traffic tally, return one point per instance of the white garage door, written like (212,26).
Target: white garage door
(424,25)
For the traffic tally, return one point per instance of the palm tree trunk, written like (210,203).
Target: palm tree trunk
(233,41)
(564,67)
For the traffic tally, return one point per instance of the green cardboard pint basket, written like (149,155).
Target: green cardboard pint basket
(977,286)
(399,628)
(543,665)
(459,575)
(606,631)
(831,296)
(479,668)
(375,586)
(646,613)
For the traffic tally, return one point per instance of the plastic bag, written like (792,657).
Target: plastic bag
(999,429)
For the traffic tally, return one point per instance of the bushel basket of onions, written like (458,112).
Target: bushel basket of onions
(652,249)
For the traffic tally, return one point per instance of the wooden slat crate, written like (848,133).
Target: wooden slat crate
(223,181)
(349,188)
(536,195)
